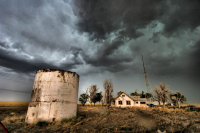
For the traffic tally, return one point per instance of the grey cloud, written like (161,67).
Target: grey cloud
(42,28)
(38,23)
(39,29)
(19,63)
(180,15)
(156,37)
(99,18)
(104,57)
(4,45)
(49,27)
(102,39)
(195,58)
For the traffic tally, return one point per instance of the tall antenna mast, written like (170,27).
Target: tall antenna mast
(147,82)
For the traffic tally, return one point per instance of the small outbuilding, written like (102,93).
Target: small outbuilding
(124,100)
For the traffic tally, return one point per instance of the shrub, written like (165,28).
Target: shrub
(42,123)
(66,120)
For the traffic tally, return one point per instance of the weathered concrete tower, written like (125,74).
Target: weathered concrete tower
(54,96)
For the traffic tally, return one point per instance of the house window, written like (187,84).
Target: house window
(33,114)
(120,102)
(123,95)
(128,102)
(143,102)
(136,102)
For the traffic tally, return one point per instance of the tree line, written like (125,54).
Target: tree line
(92,95)
(162,94)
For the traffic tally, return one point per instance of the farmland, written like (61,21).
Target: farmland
(12,104)
(101,119)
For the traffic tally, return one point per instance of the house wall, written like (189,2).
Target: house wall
(124,99)
(54,96)
(135,103)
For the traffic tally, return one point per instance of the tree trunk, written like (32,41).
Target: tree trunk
(179,104)
(163,105)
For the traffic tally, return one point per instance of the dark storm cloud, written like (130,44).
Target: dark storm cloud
(53,31)
(103,17)
(102,58)
(180,15)
(21,64)
(195,57)
(155,38)
(33,32)
(124,19)
(39,23)
(102,39)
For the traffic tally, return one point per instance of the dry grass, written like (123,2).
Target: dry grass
(90,104)
(14,119)
(12,104)
(101,119)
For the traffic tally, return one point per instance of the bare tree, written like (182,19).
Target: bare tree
(162,93)
(92,92)
(158,94)
(108,87)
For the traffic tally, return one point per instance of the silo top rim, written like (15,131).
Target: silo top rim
(52,70)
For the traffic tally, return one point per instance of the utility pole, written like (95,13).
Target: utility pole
(147,82)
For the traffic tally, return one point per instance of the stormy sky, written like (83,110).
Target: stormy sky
(101,40)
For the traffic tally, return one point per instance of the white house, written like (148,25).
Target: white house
(124,100)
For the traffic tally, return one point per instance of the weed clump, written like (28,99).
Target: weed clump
(66,120)
(42,123)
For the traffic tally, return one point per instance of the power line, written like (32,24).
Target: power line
(15,91)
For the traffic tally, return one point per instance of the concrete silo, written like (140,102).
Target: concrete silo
(54,96)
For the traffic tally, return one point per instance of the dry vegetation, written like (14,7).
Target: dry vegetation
(11,104)
(100,119)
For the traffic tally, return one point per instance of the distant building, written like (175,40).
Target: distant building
(124,100)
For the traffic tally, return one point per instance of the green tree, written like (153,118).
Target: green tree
(142,95)
(97,98)
(119,93)
(177,99)
(83,98)
(135,93)
(92,93)
(148,95)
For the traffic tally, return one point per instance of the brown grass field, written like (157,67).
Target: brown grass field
(12,104)
(98,118)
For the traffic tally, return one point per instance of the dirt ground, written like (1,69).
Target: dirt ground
(100,119)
